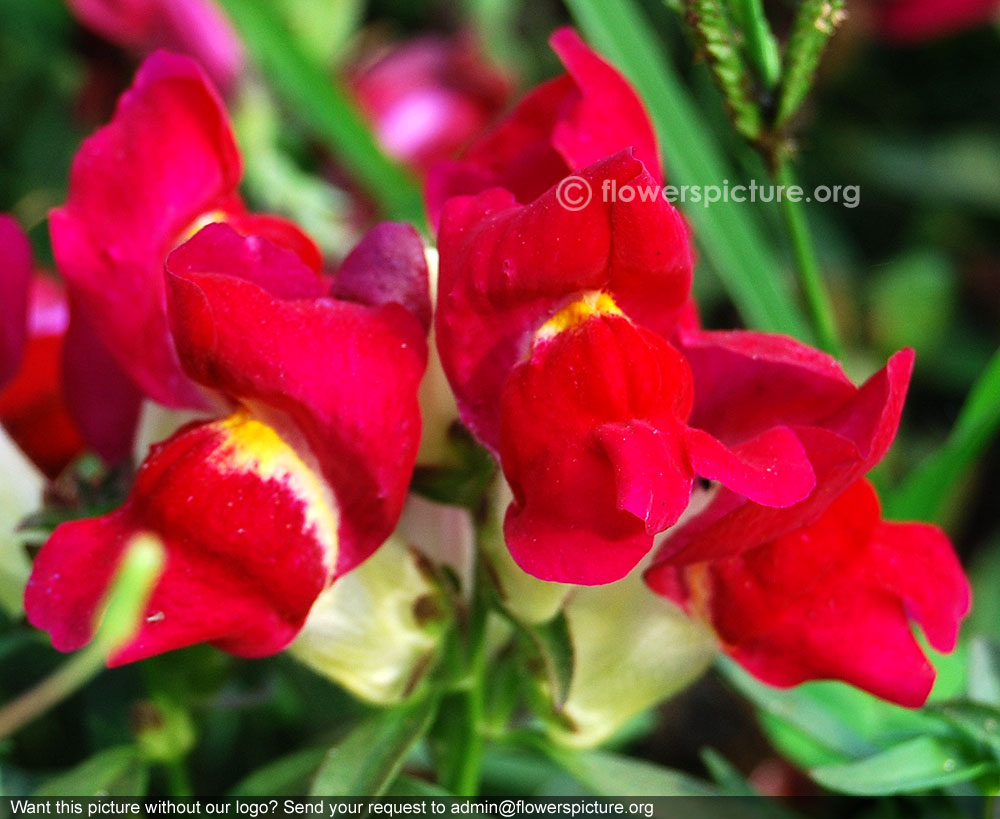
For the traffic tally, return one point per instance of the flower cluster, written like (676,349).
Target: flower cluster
(307,383)
(577,358)
(720,470)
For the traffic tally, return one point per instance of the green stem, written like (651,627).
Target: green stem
(817,298)
(178,782)
(74,674)
(469,769)
(121,616)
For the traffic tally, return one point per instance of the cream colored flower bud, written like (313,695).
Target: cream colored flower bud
(20,495)
(631,650)
(375,630)
(437,402)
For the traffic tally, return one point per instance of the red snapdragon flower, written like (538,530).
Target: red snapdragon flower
(302,476)
(823,588)
(165,165)
(558,128)
(916,20)
(553,328)
(428,97)
(198,28)
(833,600)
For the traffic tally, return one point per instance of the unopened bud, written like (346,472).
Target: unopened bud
(631,650)
(20,495)
(438,409)
(375,630)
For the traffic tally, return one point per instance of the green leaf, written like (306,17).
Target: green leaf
(978,722)
(321,27)
(320,101)
(814,24)
(607,774)
(794,706)
(733,783)
(463,482)
(411,786)
(925,492)
(725,774)
(984,671)
(287,776)
(727,232)
(366,761)
(912,303)
(717,38)
(114,772)
(915,765)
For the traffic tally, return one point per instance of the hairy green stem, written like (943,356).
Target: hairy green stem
(811,279)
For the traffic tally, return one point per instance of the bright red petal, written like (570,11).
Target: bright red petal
(250,537)
(136,186)
(772,469)
(345,375)
(507,269)
(280,232)
(592,446)
(833,600)
(33,406)
(560,127)
(608,116)
(102,400)
(843,439)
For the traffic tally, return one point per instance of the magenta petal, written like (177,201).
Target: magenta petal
(15,282)
(102,400)
(388,266)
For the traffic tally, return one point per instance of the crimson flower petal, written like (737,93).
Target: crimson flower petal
(342,375)
(427,97)
(772,469)
(33,404)
(559,128)
(387,266)
(833,600)
(197,28)
(137,186)
(102,400)
(911,21)
(250,537)
(592,446)
(506,269)
(845,431)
